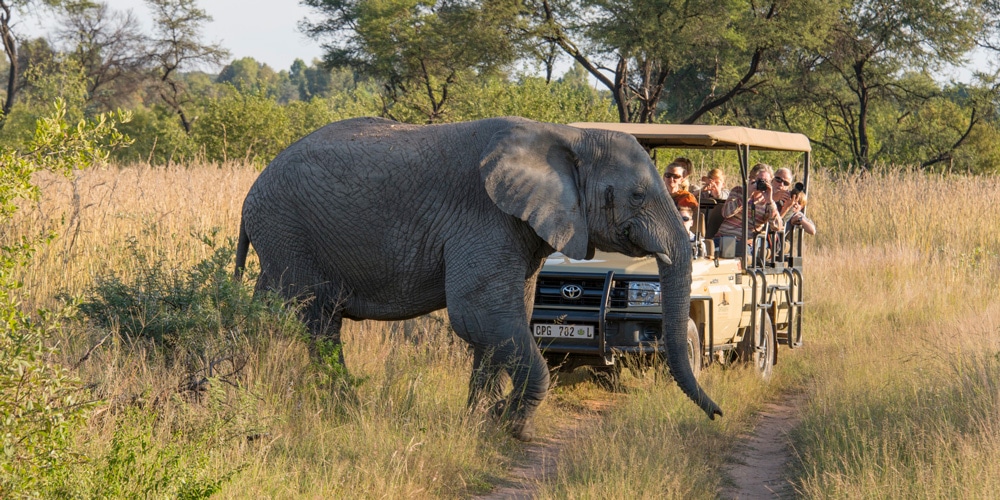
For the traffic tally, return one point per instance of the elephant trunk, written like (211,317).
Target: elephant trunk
(675,287)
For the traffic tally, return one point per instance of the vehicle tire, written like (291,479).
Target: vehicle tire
(758,348)
(694,350)
(608,377)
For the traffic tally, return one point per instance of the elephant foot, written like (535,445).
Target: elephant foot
(517,423)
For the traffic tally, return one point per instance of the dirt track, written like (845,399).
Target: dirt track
(542,457)
(758,470)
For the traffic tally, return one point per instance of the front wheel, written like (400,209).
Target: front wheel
(608,377)
(758,347)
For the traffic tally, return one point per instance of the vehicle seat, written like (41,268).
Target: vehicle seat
(714,220)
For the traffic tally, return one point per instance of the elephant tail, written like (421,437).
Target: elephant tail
(242,247)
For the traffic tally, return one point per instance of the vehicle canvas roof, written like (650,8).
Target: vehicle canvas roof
(705,136)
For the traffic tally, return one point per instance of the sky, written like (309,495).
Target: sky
(266,30)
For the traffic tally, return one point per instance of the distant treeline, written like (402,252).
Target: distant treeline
(862,78)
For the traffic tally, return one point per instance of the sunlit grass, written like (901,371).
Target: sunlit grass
(905,388)
(900,370)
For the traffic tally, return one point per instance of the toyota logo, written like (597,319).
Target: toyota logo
(571,292)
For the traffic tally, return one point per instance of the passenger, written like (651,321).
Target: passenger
(783,182)
(687,215)
(792,214)
(675,177)
(761,204)
(713,186)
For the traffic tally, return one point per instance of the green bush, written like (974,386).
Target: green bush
(174,307)
(558,102)
(240,126)
(159,138)
(139,465)
(41,403)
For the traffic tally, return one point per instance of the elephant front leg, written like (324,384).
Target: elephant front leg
(486,384)
(497,326)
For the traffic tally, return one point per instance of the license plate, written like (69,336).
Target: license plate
(563,331)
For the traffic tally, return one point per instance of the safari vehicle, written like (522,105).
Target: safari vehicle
(605,312)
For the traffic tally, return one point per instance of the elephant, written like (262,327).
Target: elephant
(369,218)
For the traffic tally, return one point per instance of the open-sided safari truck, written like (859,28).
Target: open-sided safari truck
(605,312)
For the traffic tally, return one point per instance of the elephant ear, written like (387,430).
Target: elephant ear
(531,172)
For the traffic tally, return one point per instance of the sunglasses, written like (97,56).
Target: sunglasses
(672,176)
(781,181)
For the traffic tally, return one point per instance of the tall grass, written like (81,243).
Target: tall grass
(900,369)
(905,352)
(247,409)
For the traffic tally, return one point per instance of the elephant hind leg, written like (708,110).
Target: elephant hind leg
(320,304)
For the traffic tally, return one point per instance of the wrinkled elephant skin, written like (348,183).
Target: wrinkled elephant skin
(373,219)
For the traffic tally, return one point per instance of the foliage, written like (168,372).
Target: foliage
(872,45)
(177,45)
(250,77)
(417,50)
(559,102)
(159,138)
(691,57)
(315,81)
(58,78)
(41,404)
(138,465)
(171,306)
(242,126)
(110,48)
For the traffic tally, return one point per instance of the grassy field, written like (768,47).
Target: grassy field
(900,371)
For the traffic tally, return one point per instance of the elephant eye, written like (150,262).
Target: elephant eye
(637,197)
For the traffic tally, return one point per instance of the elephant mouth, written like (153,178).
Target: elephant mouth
(626,244)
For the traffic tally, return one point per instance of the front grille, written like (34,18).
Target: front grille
(619,294)
(548,292)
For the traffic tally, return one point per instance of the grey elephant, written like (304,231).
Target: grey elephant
(373,219)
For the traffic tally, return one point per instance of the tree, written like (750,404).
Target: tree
(9,40)
(686,51)
(177,45)
(111,48)
(417,49)
(871,47)
(317,81)
(249,76)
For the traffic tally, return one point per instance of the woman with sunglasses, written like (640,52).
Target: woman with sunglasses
(675,177)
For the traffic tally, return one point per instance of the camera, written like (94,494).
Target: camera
(761,185)
(799,187)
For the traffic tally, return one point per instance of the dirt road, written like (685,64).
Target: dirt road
(759,469)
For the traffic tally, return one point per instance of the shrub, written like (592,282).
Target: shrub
(40,401)
(242,126)
(173,307)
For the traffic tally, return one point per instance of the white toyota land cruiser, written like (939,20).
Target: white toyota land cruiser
(605,312)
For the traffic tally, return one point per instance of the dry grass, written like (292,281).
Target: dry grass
(901,369)
(905,392)
(901,365)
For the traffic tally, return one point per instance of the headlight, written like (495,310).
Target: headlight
(643,293)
